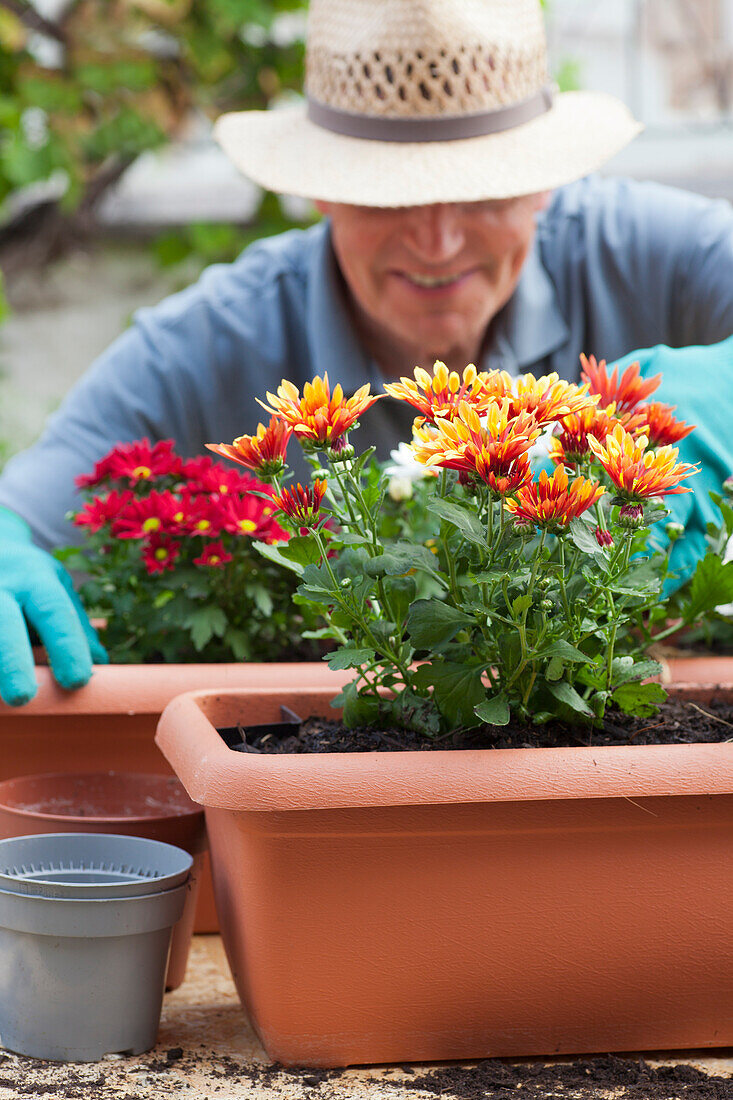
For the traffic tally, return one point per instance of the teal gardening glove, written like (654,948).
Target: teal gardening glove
(36,588)
(699,382)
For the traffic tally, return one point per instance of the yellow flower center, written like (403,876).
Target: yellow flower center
(214,559)
(203,525)
(247,525)
(142,471)
(223,488)
(160,554)
(151,524)
(178,517)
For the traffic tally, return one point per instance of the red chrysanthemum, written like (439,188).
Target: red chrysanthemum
(134,462)
(252,516)
(159,554)
(154,514)
(203,475)
(214,554)
(100,511)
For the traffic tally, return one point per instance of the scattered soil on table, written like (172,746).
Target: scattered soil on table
(163,1075)
(680,721)
(595,1077)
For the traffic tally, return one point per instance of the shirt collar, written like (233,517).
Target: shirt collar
(530,326)
(334,344)
(528,329)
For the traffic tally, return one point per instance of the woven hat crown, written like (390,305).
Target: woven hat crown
(424,58)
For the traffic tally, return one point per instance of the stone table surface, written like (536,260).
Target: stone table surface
(207,1050)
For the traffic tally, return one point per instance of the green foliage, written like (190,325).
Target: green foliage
(187,608)
(131,73)
(451,617)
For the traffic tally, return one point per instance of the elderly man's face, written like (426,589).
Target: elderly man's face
(426,281)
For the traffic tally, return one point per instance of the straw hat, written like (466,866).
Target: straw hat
(411,102)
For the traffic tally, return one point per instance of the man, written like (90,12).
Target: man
(444,165)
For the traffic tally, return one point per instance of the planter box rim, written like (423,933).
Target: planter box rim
(147,688)
(219,778)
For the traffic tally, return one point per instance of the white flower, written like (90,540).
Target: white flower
(405,465)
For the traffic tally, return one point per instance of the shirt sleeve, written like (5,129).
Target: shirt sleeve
(702,291)
(186,369)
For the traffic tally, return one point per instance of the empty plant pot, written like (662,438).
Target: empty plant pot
(152,806)
(80,976)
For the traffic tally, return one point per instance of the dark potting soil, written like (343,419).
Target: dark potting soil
(680,721)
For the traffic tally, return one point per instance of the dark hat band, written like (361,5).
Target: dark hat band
(440,128)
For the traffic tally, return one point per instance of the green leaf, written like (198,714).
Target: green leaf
(401,559)
(521,604)
(555,669)
(348,657)
(711,584)
(204,623)
(583,536)
(466,521)
(566,693)
(358,709)
(274,553)
(163,598)
(494,712)
(568,652)
(401,592)
(239,644)
(639,670)
(302,550)
(639,699)
(457,689)
(263,601)
(639,580)
(432,622)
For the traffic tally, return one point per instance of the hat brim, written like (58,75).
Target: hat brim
(283,151)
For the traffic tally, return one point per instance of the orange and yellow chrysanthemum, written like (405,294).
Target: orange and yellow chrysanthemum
(264,452)
(552,501)
(626,392)
(495,451)
(302,505)
(439,396)
(548,398)
(662,429)
(318,417)
(570,444)
(638,473)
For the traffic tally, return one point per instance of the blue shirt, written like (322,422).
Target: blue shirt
(616,266)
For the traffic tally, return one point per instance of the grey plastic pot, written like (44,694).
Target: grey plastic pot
(87,865)
(84,977)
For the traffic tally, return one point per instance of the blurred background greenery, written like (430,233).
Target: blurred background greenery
(84,93)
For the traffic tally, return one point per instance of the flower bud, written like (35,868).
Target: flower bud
(728,486)
(674,531)
(603,538)
(631,517)
(543,584)
(523,528)
(547,605)
(340,450)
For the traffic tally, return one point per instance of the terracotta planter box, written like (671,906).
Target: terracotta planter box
(699,669)
(389,907)
(109,725)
